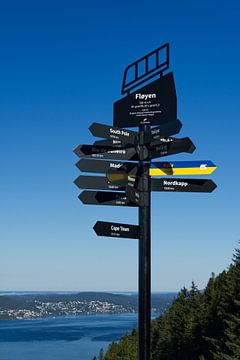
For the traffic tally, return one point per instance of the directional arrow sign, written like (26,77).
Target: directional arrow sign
(97,182)
(103,228)
(164,130)
(110,132)
(122,180)
(154,136)
(183,185)
(134,196)
(121,176)
(98,166)
(105,198)
(111,142)
(200,167)
(106,152)
(172,146)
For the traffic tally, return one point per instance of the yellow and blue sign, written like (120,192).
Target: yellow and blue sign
(200,167)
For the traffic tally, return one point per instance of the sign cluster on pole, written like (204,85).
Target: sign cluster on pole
(123,158)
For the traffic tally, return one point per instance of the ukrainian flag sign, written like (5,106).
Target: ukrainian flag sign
(200,167)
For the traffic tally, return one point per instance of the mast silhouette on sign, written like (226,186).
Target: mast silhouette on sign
(153,110)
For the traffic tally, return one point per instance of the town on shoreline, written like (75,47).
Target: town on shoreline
(34,306)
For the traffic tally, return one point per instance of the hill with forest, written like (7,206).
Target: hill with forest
(199,325)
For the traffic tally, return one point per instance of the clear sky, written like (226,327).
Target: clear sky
(61,68)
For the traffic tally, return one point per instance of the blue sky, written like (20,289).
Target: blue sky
(61,68)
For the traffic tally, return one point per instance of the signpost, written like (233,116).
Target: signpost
(125,158)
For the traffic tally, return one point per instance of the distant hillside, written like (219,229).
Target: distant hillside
(30,306)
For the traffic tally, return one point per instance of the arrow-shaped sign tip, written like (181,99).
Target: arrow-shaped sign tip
(79,164)
(95,227)
(214,186)
(179,125)
(75,181)
(77,150)
(91,127)
(192,148)
(83,197)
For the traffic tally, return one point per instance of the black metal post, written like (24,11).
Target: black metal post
(144,317)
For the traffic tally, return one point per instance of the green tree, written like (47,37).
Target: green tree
(216,313)
(125,349)
(174,334)
(101,355)
(197,326)
(232,321)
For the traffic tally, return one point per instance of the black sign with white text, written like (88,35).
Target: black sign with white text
(106,152)
(164,130)
(134,196)
(183,185)
(98,166)
(123,175)
(170,146)
(111,142)
(156,101)
(97,183)
(105,198)
(110,132)
(103,228)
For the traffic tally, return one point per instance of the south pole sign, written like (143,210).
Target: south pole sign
(123,163)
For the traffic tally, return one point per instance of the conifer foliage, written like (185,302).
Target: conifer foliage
(197,326)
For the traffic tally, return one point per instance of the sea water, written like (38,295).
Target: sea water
(62,338)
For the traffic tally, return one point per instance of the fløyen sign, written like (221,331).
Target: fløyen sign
(156,101)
